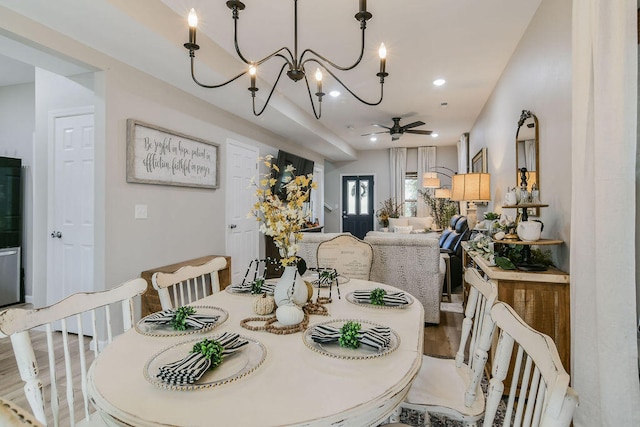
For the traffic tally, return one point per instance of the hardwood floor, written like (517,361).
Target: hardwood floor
(439,340)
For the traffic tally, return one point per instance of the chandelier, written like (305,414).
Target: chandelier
(294,64)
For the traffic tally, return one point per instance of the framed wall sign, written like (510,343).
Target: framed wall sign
(160,156)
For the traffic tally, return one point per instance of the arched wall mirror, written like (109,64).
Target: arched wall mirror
(528,153)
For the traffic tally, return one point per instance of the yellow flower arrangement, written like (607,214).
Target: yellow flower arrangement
(282,219)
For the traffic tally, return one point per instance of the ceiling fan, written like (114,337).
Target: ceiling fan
(396,130)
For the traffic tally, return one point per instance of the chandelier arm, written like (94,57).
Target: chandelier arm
(274,54)
(313,106)
(333,64)
(349,90)
(193,76)
(273,88)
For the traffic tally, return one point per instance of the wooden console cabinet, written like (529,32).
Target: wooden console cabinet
(150,299)
(540,298)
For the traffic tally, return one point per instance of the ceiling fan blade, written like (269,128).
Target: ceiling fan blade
(414,124)
(374,133)
(420,132)
(381,126)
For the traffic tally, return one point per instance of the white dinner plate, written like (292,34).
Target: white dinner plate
(166,330)
(334,349)
(234,366)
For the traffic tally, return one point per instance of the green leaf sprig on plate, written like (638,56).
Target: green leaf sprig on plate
(181,314)
(256,286)
(377,296)
(349,335)
(211,349)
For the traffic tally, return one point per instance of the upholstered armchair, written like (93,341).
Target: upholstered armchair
(451,243)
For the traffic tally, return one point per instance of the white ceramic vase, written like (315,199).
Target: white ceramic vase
(290,287)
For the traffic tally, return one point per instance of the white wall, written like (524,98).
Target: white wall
(17,125)
(183,222)
(372,162)
(537,78)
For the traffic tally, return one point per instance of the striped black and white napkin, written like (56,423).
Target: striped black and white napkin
(378,337)
(245,288)
(193,321)
(191,368)
(390,298)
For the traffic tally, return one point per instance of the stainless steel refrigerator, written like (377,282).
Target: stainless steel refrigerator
(11,289)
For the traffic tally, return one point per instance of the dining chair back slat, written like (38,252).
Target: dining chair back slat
(181,287)
(539,393)
(56,319)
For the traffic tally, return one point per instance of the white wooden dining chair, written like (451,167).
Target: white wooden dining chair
(75,316)
(188,284)
(12,415)
(539,393)
(350,256)
(451,387)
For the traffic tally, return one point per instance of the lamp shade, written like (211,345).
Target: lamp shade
(472,187)
(430,180)
(457,187)
(443,193)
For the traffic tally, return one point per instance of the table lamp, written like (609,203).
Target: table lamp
(471,187)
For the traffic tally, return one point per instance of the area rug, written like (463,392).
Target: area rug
(454,306)
(416,418)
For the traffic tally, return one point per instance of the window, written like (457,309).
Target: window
(411,194)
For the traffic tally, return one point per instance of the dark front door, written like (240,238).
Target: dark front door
(357,204)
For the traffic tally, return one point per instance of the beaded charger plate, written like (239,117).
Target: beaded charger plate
(249,294)
(166,330)
(235,366)
(352,299)
(334,349)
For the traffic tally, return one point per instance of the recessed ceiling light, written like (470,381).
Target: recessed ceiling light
(434,135)
(373,139)
(334,93)
(439,82)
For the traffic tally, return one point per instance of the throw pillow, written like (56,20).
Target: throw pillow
(402,229)
(402,222)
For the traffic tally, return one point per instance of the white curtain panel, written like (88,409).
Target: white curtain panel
(530,154)
(426,161)
(463,150)
(397,169)
(603,313)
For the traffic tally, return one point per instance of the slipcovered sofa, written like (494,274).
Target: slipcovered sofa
(410,224)
(412,263)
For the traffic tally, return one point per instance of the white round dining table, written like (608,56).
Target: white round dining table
(294,385)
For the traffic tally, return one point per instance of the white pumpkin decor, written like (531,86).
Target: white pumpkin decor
(289,314)
(264,304)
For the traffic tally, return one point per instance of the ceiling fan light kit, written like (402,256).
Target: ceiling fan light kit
(294,63)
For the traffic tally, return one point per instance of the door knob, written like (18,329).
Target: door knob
(55,234)
(232,226)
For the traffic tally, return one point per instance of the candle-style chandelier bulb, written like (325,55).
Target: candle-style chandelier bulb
(382,51)
(193,18)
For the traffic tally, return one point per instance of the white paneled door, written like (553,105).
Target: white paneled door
(72,222)
(242,232)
